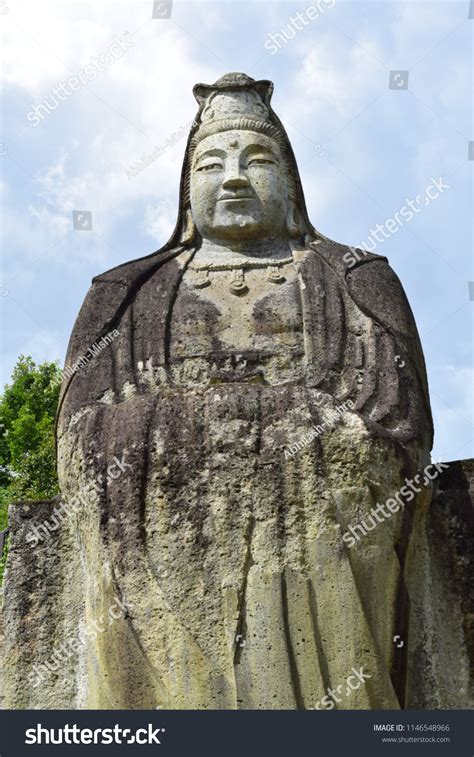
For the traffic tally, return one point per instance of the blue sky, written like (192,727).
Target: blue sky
(363,151)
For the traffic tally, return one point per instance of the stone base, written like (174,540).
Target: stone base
(43,604)
(441,649)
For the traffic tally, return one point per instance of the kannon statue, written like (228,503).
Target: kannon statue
(227,538)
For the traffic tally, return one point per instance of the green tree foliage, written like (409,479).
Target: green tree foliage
(3,560)
(27,450)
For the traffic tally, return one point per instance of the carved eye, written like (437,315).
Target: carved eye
(260,162)
(209,167)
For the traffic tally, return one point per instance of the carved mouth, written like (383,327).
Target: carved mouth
(236,201)
(235,198)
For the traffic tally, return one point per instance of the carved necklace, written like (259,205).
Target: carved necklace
(238,284)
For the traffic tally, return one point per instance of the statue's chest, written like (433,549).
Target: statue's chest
(220,311)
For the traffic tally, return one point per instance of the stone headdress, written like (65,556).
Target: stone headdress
(236,101)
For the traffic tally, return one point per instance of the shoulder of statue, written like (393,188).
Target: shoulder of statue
(109,294)
(344,258)
(131,271)
(376,289)
(372,284)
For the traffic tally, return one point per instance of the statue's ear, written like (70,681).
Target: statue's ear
(294,225)
(189,229)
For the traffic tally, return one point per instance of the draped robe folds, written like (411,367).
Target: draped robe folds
(227,552)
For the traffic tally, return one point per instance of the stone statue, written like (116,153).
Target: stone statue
(264,393)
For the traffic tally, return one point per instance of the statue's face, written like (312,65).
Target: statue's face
(239,188)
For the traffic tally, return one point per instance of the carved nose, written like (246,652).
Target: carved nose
(235,180)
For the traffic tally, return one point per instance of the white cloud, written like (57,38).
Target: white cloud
(324,78)
(128,110)
(160,220)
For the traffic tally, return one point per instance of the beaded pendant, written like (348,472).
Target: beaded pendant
(238,285)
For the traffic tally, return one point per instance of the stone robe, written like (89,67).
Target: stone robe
(226,545)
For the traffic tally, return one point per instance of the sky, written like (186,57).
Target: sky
(376,97)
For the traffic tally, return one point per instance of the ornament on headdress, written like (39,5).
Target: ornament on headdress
(235,101)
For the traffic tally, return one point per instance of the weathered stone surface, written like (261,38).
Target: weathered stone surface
(441,654)
(37,610)
(212,481)
(40,615)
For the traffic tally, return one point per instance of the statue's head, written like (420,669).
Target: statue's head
(240,181)
(239,187)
